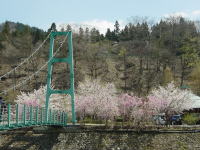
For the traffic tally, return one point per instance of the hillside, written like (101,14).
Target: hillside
(137,58)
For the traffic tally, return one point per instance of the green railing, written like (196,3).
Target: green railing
(16,116)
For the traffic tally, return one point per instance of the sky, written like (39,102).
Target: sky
(99,13)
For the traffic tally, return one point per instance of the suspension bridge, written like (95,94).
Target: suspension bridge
(14,116)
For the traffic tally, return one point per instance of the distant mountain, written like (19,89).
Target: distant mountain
(20,27)
(12,26)
(17,26)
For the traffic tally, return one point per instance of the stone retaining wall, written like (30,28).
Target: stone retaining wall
(81,139)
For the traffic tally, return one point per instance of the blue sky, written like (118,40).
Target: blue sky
(41,13)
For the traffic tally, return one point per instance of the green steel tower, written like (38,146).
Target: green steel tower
(69,60)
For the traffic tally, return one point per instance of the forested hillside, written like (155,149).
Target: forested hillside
(136,58)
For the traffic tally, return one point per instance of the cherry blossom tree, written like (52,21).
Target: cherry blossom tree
(169,99)
(128,105)
(100,101)
(38,98)
(96,99)
(133,108)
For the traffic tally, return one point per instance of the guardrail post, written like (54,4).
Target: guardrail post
(24,115)
(56,114)
(41,115)
(60,118)
(17,114)
(53,116)
(65,120)
(9,115)
(36,115)
(49,116)
(31,114)
(0,113)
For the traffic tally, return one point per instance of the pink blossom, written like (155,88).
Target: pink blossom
(169,99)
(96,99)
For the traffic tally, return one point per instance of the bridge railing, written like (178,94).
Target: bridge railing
(18,115)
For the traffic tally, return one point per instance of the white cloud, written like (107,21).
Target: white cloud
(177,14)
(196,13)
(101,25)
(189,14)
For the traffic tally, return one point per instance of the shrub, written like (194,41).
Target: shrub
(190,119)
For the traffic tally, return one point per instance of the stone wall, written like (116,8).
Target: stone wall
(97,140)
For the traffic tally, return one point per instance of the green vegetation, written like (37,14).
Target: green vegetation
(135,58)
(191,118)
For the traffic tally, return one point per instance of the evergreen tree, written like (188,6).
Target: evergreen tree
(110,35)
(62,29)
(52,28)
(144,31)
(87,34)
(116,31)
(36,36)
(26,30)
(102,37)
(124,35)
(188,56)
(69,28)
(81,33)
(95,35)
(132,31)
(98,36)
(6,28)
(6,31)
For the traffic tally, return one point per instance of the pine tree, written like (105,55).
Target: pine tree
(124,35)
(87,34)
(69,28)
(108,34)
(132,31)
(6,28)
(116,31)
(52,28)
(81,33)
(95,35)
(36,36)
(62,29)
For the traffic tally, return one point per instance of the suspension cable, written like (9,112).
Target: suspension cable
(31,76)
(25,60)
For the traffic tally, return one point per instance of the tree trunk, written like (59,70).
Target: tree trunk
(182,71)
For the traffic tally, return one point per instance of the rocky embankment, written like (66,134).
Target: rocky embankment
(90,138)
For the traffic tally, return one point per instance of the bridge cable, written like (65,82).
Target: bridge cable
(31,76)
(25,60)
